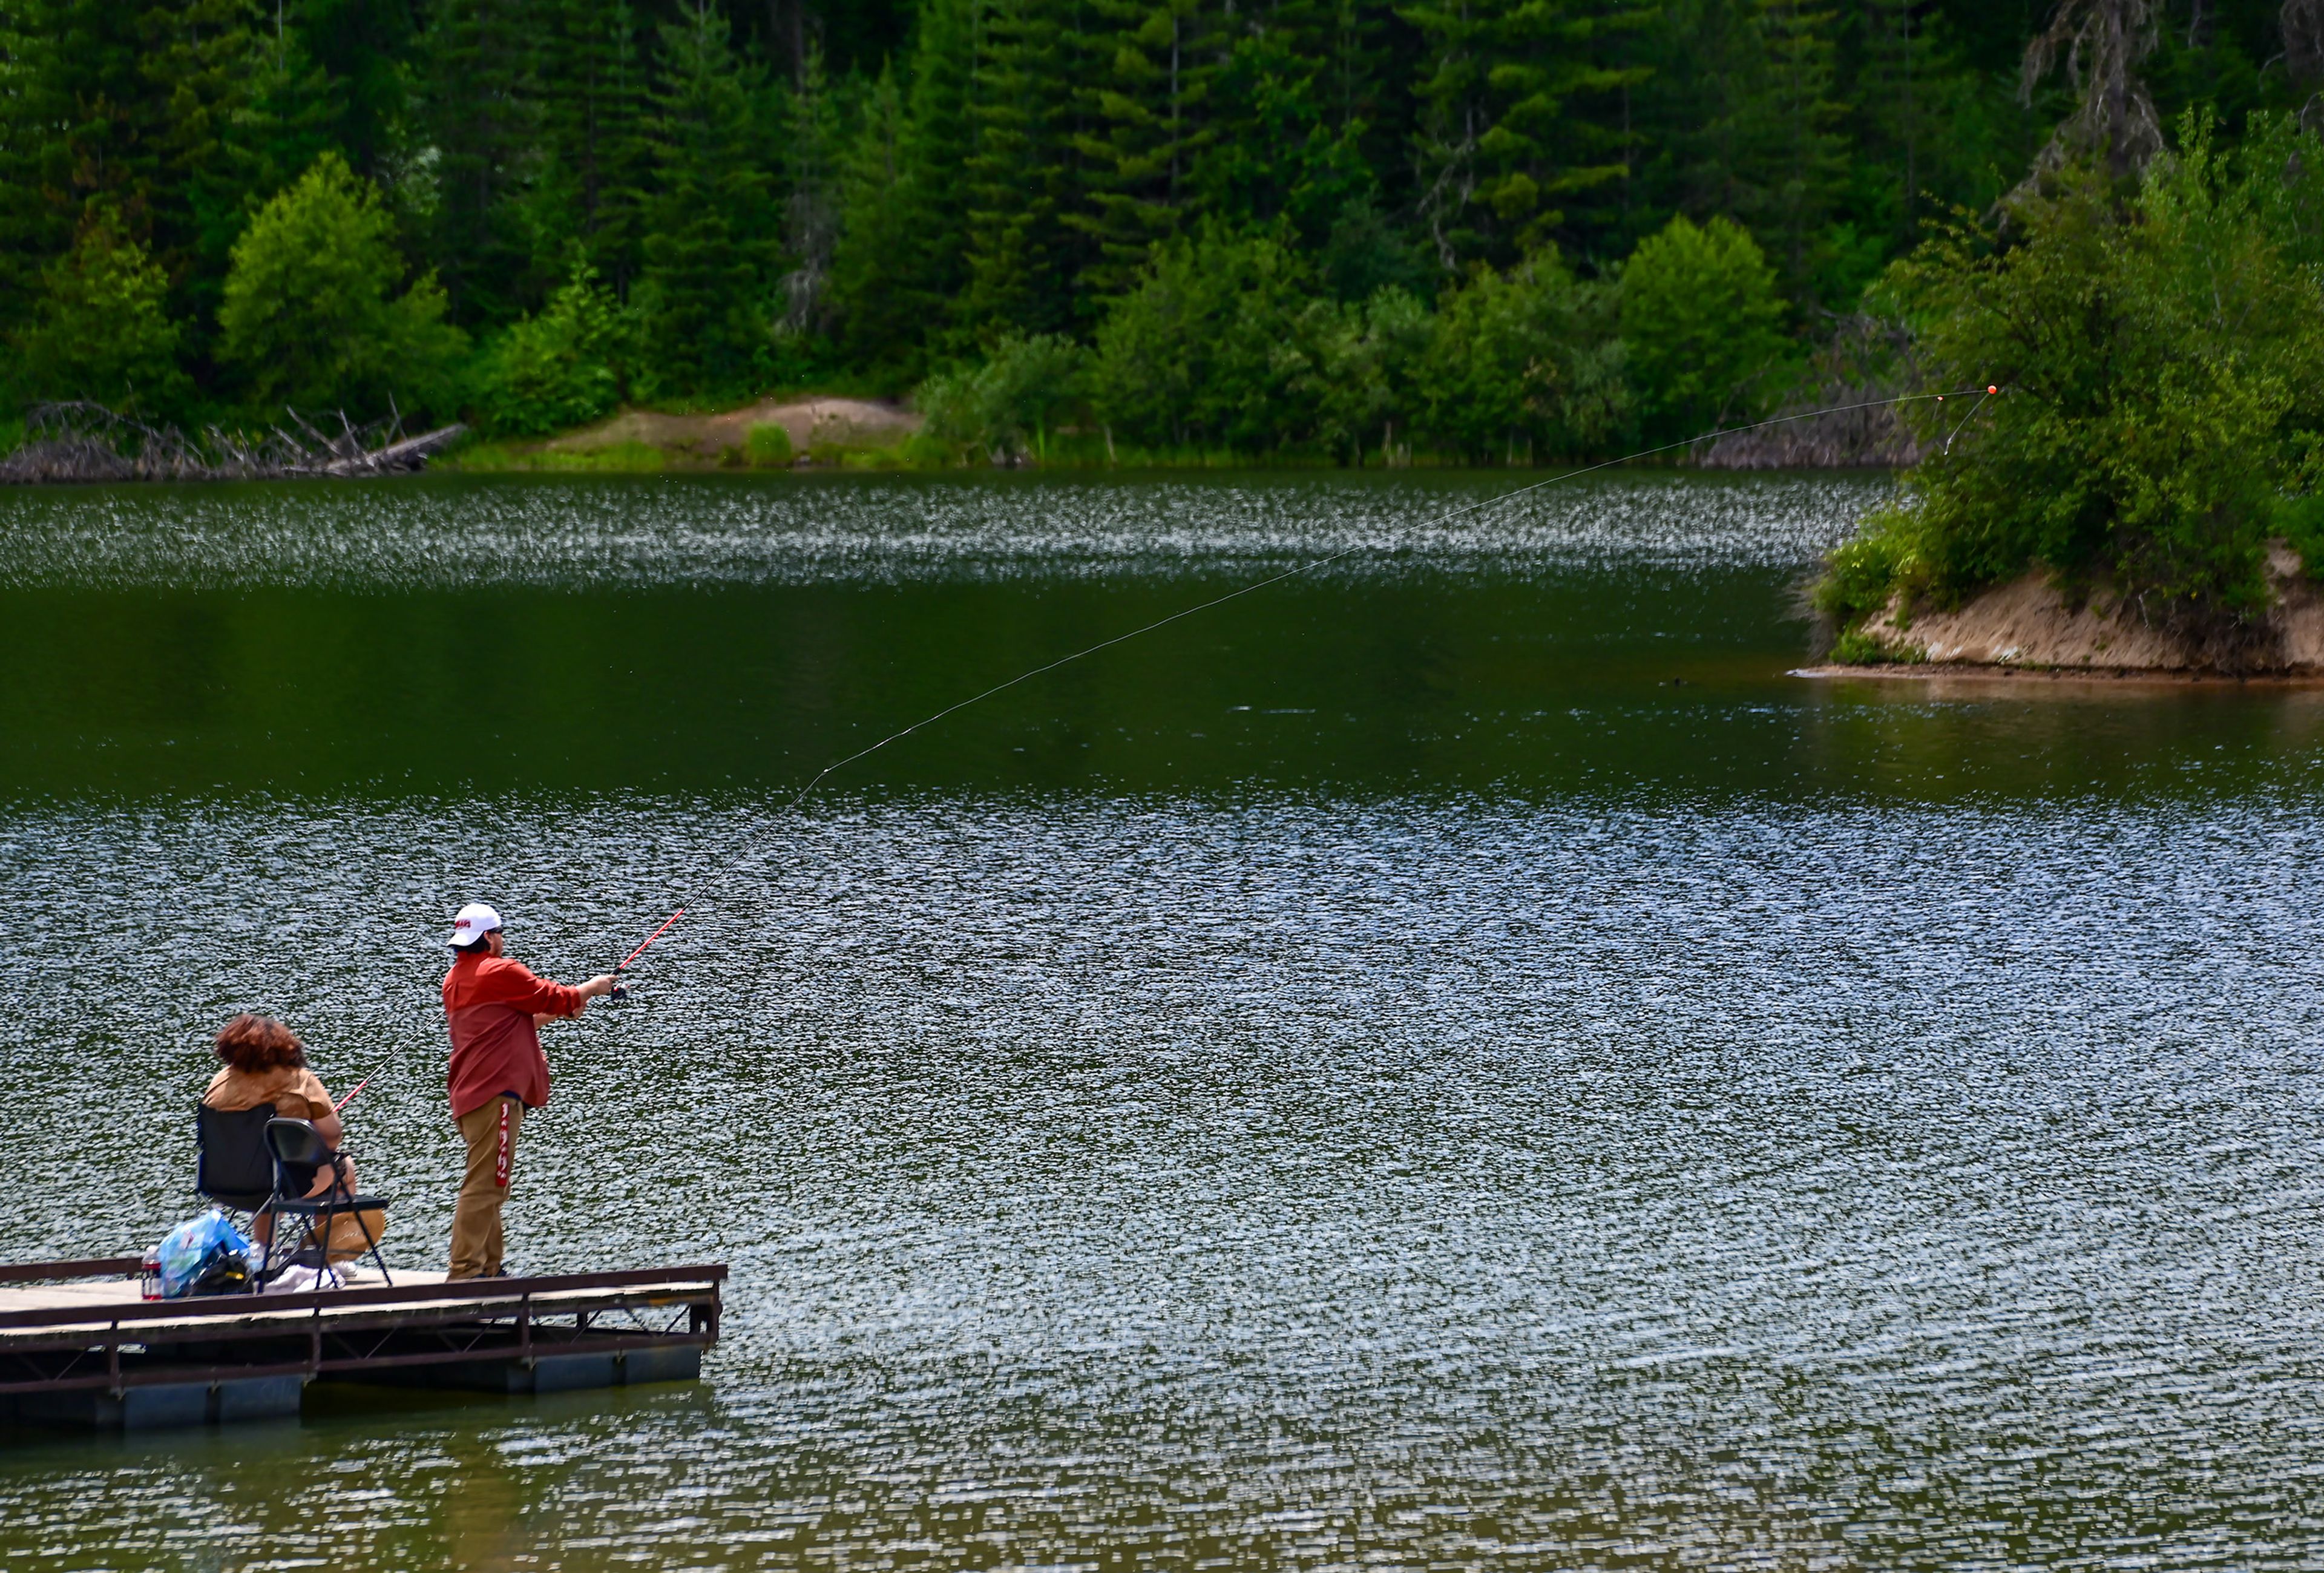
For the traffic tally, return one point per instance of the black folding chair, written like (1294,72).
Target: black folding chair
(298,1152)
(232,1165)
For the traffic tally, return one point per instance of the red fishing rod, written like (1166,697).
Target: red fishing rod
(649,939)
(619,991)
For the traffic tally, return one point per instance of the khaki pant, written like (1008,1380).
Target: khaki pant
(491,1132)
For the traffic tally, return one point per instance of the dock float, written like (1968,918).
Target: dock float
(78,1347)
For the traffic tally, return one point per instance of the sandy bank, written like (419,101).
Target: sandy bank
(2027,625)
(1973,682)
(811,422)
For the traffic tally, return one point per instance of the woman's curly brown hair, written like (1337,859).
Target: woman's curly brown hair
(252,1042)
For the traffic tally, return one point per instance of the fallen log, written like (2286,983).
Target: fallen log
(410,454)
(82,441)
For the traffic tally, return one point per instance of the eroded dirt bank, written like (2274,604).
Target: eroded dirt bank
(2028,625)
(811,422)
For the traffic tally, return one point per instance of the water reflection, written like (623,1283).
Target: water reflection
(1612,684)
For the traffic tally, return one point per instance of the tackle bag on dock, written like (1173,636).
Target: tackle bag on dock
(205,1256)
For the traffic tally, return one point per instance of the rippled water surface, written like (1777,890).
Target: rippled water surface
(622,534)
(1464,1063)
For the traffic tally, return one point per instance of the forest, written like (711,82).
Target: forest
(1497,231)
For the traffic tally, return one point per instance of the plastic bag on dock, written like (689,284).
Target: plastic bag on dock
(301,1280)
(205,1256)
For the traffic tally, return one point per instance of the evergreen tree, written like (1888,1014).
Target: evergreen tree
(1028,181)
(1799,166)
(286,125)
(590,191)
(121,108)
(1510,133)
(899,263)
(481,122)
(1152,124)
(74,131)
(814,148)
(330,76)
(1370,54)
(710,246)
(1275,152)
(1742,116)
(201,61)
(364,50)
(1697,110)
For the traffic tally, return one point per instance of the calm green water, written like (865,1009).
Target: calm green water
(1459,1062)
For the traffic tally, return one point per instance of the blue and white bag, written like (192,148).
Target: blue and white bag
(205,1256)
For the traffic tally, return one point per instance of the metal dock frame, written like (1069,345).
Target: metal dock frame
(133,1363)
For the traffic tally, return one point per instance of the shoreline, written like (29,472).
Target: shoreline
(1999,675)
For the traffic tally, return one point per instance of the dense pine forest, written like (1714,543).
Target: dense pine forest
(1500,229)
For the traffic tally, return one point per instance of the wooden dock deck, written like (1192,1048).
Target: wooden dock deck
(78,1347)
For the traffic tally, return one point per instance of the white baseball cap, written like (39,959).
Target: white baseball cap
(476,921)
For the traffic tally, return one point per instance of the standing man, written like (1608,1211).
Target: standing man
(495,1007)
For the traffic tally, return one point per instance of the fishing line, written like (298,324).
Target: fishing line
(1292,573)
(1965,420)
(1307,567)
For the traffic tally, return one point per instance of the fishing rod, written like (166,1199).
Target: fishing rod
(621,990)
(1988,391)
(649,939)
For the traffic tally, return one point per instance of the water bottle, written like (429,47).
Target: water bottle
(149,1274)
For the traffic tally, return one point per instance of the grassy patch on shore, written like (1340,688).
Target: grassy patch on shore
(491,457)
(1071,450)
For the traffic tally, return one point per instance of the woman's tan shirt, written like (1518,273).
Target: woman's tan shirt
(295,1091)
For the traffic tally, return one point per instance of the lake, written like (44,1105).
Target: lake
(1458,1059)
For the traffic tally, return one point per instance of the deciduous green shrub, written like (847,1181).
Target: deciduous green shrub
(103,330)
(1369,372)
(312,316)
(2157,361)
(1862,574)
(1216,345)
(561,368)
(1699,317)
(1523,366)
(768,447)
(1005,408)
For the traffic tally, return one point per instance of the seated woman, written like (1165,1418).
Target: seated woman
(262,1061)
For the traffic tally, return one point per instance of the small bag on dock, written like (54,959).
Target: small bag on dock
(205,1256)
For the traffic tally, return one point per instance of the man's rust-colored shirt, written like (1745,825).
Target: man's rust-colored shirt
(489,1004)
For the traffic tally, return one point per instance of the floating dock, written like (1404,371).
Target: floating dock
(78,1347)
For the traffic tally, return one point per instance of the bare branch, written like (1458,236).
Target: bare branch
(76,440)
(2101,43)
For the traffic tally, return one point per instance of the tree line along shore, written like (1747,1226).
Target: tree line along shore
(1333,230)
(1506,232)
